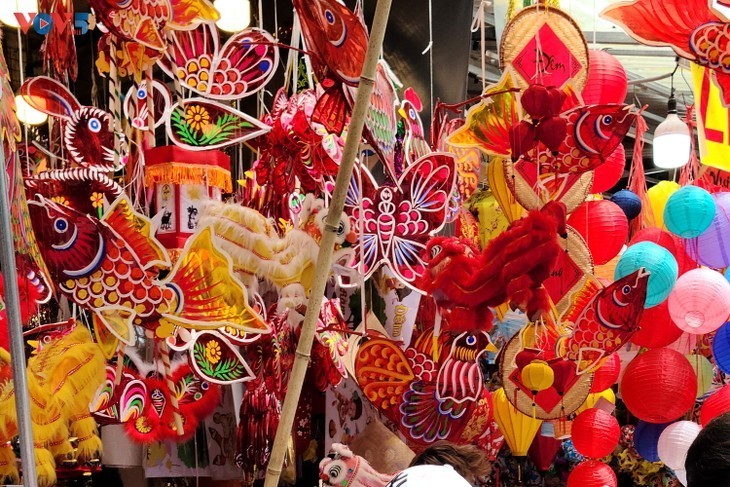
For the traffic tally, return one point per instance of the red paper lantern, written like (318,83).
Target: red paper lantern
(595,433)
(592,473)
(672,243)
(659,386)
(656,328)
(604,227)
(543,450)
(609,173)
(607,374)
(715,405)
(606,82)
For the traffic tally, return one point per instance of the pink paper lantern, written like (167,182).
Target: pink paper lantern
(700,301)
(606,82)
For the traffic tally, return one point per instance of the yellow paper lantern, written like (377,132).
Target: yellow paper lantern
(518,429)
(492,220)
(658,196)
(704,371)
(498,184)
(537,376)
(593,399)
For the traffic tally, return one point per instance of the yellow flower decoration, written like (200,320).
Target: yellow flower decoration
(197,117)
(61,200)
(213,352)
(142,425)
(97,200)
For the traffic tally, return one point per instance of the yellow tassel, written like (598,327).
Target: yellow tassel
(89,448)
(8,466)
(62,450)
(83,426)
(46,467)
(182,173)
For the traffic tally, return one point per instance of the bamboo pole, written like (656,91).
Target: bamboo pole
(324,258)
(15,329)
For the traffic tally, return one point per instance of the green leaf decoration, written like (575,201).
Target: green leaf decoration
(184,131)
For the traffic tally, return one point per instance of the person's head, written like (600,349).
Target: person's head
(708,458)
(428,476)
(468,460)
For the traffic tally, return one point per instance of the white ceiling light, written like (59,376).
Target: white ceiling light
(235,14)
(672,142)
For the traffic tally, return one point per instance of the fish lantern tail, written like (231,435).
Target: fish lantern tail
(208,294)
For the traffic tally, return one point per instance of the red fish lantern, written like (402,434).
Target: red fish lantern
(659,386)
(182,181)
(595,433)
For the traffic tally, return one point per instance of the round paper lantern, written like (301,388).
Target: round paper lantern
(592,473)
(537,376)
(721,348)
(655,259)
(609,173)
(672,243)
(543,450)
(629,203)
(675,441)
(646,439)
(595,433)
(607,374)
(593,398)
(700,301)
(681,475)
(703,370)
(658,196)
(689,212)
(659,386)
(606,82)
(712,248)
(715,405)
(656,328)
(604,227)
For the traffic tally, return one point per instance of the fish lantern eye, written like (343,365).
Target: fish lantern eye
(607,120)
(471,340)
(60,225)
(435,250)
(329,16)
(95,125)
(141,94)
(626,289)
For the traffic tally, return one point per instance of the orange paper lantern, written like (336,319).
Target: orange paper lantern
(659,386)
(604,227)
(595,433)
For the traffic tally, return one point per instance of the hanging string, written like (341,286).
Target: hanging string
(479,23)
(637,178)
(429,50)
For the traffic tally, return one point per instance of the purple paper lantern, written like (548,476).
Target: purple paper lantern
(712,247)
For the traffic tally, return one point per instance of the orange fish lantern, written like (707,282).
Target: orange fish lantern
(182,181)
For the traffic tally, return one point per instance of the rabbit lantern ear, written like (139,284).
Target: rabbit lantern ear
(50,97)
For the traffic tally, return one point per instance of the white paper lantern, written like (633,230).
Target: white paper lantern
(674,442)
(235,14)
(8,8)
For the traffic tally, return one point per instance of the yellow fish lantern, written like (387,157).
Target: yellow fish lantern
(658,196)
(518,429)
(182,181)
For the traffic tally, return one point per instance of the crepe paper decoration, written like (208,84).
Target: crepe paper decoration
(468,164)
(88,133)
(343,468)
(546,46)
(107,266)
(183,181)
(136,107)
(240,67)
(59,46)
(568,390)
(666,378)
(415,145)
(199,124)
(697,32)
(428,400)
(602,320)
(398,220)
(519,429)
(81,188)
(338,40)
(257,249)
(381,122)
(592,473)
(488,122)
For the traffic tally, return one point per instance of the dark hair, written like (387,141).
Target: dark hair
(708,458)
(468,460)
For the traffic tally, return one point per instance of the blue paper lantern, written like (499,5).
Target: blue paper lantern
(646,439)
(721,348)
(689,212)
(658,261)
(629,202)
